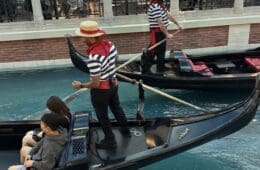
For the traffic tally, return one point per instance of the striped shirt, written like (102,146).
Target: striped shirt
(156,12)
(102,59)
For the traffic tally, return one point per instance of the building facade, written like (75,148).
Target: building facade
(209,27)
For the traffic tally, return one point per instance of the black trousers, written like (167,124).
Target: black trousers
(102,99)
(159,52)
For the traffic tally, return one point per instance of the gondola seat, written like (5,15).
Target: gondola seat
(76,147)
(200,68)
(175,55)
(184,65)
(254,62)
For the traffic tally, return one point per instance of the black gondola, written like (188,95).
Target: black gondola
(152,139)
(219,71)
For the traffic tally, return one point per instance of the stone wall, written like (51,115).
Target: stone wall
(254,34)
(127,43)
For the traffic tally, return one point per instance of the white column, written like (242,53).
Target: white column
(238,36)
(238,6)
(37,11)
(174,6)
(108,12)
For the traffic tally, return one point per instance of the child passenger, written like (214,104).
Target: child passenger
(45,154)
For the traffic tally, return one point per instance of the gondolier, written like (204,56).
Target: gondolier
(103,84)
(159,17)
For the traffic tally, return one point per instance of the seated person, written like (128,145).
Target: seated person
(56,105)
(45,154)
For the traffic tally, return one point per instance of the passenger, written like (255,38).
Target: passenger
(45,154)
(57,106)
(103,83)
(158,17)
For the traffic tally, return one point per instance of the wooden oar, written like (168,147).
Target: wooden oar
(162,93)
(66,100)
(149,49)
(72,96)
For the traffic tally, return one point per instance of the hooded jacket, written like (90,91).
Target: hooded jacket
(47,151)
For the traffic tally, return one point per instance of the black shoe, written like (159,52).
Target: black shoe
(126,133)
(106,144)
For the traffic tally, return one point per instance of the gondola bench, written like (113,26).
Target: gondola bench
(187,66)
(75,151)
(254,62)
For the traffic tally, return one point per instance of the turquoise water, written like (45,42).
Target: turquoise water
(23,94)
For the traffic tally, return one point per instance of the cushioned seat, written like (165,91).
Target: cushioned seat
(175,55)
(202,68)
(254,62)
(185,65)
(198,67)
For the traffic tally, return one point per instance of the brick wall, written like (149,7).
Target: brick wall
(56,48)
(254,36)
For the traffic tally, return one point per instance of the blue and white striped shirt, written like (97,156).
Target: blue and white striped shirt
(156,12)
(101,65)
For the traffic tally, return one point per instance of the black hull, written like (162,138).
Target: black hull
(220,133)
(171,135)
(236,122)
(236,76)
(196,83)
(12,132)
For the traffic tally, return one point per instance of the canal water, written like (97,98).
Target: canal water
(23,94)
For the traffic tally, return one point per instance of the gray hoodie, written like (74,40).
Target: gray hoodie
(47,151)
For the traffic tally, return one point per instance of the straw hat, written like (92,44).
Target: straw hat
(89,29)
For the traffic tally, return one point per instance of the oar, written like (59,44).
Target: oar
(72,96)
(162,93)
(149,49)
(66,100)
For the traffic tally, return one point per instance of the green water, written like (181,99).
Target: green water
(23,94)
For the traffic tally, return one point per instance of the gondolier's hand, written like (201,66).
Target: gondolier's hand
(180,28)
(76,84)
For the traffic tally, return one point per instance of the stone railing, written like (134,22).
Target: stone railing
(40,10)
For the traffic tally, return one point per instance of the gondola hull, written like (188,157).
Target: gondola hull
(214,71)
(152,139)
(245,81)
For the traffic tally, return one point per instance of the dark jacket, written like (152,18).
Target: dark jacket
(47,151)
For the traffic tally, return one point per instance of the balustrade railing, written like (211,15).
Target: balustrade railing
(251,3)
(15,10)
(21,10)
(132,7)
(71,8)
(205,4)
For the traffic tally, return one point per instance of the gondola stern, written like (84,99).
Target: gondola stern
(78,60)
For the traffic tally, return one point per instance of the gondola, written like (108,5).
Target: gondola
(153,139)
(219,71)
